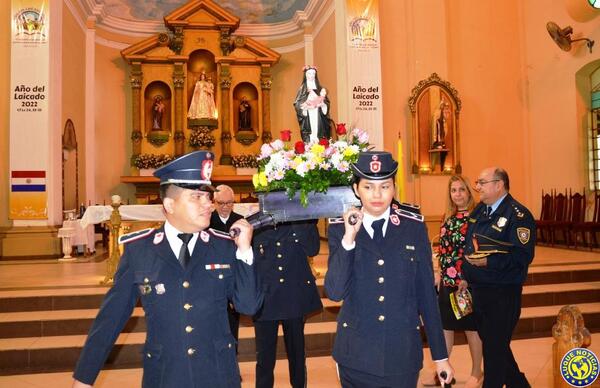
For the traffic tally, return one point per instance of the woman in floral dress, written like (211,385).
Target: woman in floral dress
(449,278)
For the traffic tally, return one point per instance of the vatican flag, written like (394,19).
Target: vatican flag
(400,186)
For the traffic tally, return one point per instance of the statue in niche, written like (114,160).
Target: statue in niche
(158,108)
(439,126)
(312,107)
(245,116)
(203,100)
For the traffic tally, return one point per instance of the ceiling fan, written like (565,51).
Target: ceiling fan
(562,36)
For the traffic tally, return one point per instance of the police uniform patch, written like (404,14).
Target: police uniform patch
(501,222)
(394,219)
(158,237)
(160,289)
(523,234)
(204,236)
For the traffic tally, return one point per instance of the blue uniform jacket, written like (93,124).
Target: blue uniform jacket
(512,225)
(385,288)
(281,255)
(188,341)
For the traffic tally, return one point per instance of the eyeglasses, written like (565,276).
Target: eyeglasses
(482,182)
(226,203)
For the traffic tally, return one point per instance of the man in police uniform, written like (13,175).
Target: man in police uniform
(183,275)
(500,247)
(381,268)
(290,292)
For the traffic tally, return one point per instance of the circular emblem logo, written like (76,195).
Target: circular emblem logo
(579,367)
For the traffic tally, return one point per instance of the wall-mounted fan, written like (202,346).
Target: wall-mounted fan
(562,36)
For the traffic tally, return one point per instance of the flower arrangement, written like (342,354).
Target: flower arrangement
(309,167)
(244,161)
(201,138)
(151,160)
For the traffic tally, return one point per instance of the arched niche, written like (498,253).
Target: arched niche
(157,112)
(245,107)
(70,167)
(200,61)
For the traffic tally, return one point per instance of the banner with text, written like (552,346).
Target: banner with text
(364,67)
(29,116)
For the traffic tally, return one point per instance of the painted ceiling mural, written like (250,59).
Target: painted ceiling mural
(249,11)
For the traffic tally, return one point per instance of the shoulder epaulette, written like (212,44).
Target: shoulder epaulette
(138,234)
(336,220)
(411,215)
(220,234)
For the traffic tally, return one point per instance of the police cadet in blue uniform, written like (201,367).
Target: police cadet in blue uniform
(381,268)
(290,293)
(184,276)
(500,247)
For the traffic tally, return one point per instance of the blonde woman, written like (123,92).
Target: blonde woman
(450,278)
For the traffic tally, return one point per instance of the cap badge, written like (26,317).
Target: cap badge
(158,237)
(206,170)
(375,166)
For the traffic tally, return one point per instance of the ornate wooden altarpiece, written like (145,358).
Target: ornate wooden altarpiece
(200,44)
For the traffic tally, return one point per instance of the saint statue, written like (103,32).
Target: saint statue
(312,107)
(245,117)
(158,108)
(203,100)
(439,125)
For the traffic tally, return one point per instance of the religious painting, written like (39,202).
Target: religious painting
(435,108)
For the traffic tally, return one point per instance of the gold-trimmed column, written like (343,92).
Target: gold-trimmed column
(225,83)
(136,86)
(178,82)
(265,85)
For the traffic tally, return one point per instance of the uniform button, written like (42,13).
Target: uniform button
(220,276)
(229,345)
(308,282)
(381,318)
(280,268)
(412,259)
(186,284)
(296,240)
(146,280)
(187,306)
(380,262)
(148,355)
(191,351)
(381,298)
(380,280)
(281,280)
(188,329)
(294,234)
(278,243)
(344,324)
(418,327)
(279,255)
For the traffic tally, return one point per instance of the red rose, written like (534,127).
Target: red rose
(340,129)
(463,229)
(324,142)
(299,147)
(286,135)
(458,265)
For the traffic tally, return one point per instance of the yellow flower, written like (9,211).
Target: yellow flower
(262,179)
(317,149)
(297,160)
(255,180)
(349,151)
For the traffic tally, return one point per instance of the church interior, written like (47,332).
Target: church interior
(117,88)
